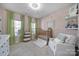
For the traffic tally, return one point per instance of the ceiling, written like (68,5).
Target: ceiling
(45,8)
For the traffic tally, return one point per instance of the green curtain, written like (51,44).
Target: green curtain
(30,20)
(36,27)
(22,28)
(10,27)
(30,28)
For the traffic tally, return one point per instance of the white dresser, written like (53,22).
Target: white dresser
(4,45)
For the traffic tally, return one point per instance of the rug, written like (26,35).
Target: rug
(40,42)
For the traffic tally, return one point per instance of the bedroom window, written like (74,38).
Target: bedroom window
(17,27)
(33,28)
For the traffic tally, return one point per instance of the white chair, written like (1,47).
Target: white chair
(63,45)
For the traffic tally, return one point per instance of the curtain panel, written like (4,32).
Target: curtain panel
(10,27)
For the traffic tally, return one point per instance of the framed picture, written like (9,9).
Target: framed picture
(51,24)
(71,24)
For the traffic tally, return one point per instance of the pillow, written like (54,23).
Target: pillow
(68,37)
(71,40)
(61,37)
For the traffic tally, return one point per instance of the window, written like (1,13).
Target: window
(17,27)
(33,28)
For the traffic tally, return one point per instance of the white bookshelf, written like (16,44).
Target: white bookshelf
(27,36)
(72,18)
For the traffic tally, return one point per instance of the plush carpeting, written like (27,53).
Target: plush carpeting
(29,49)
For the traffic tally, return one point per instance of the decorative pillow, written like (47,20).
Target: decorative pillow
(61,37)
(68,37)
(71,40)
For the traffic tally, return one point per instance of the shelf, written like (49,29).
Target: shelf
(26,39)
(73,28)
(27,33)
(71,17)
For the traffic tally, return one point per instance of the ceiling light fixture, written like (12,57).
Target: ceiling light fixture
(35,6)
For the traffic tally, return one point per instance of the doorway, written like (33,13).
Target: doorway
(17,29)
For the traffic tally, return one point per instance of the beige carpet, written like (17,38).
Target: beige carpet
(29,49)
